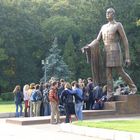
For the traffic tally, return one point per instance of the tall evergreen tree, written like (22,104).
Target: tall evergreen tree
(56,67)
(70,55)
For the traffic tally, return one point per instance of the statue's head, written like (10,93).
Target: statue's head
(110,13)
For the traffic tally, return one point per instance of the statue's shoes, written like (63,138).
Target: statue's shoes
(133,91)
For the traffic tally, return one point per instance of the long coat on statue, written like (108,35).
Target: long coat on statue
(96,57)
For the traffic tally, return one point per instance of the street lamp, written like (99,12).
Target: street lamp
(45,62)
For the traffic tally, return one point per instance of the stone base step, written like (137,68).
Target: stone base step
(87,114)
(28,120)
(90,114)
(124,104)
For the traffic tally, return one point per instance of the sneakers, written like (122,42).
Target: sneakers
(55,122)
(111,98)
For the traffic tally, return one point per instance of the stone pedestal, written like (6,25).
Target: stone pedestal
(125,104)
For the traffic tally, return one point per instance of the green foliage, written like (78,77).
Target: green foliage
(3,56)
(20,37)
(56,67)
(70,56)
(60,26)
(9,96)
(28,28)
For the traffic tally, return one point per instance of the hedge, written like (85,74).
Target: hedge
(9,96)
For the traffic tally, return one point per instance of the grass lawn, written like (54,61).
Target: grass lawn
(7,106)
(123,125)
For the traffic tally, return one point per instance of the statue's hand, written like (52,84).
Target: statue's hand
(84,48)
(127,62)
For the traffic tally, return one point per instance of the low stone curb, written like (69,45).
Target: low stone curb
(105,134)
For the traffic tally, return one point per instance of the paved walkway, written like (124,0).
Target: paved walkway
(37,132)
(63,131)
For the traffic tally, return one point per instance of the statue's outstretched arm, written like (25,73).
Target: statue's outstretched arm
(95,42)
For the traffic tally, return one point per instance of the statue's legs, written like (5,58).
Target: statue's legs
(127,79)
(109,82)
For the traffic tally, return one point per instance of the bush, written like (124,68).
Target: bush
(9,96)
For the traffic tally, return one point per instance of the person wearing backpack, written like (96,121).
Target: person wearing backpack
(46,103)
(67,98)
(38,100)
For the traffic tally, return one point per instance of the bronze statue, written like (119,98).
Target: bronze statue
(111,34)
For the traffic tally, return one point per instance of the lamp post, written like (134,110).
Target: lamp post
(45,62)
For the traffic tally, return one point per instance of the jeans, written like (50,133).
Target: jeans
(78,110)
(47,110)
(18,114)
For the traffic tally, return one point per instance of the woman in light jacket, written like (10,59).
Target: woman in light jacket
(26,100)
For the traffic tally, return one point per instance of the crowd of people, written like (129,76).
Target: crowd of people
(56,98)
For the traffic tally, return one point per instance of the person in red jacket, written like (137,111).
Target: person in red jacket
(54,103)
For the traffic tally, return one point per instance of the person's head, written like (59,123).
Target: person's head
(62,82)
(76,85)
(32,86)
(89,79)
(37,86)
(67,85)
(17,89)
(52,80)
(54,84)
(26,87)
(47,85)
(73,82)
(110,13)
(80,80)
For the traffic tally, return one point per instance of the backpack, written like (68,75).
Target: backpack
(46,96)
(33,96)
(70,98)
(38,96)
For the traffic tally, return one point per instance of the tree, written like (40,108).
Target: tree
(28,28)
(70,56)
(56,67)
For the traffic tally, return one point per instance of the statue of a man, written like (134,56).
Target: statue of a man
(111,34)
